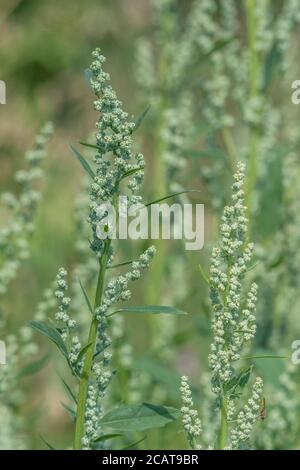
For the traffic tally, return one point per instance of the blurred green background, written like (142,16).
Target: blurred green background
(44,51)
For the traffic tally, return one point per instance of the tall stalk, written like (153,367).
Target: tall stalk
(92,338)
(254,76)
(222,438)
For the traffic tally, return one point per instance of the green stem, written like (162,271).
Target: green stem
(254,74)
(222,440)
(84,381)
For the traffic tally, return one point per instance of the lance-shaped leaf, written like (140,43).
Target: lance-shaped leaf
(86,298)
(68,390)
(130,172)
(83,351)
(153,309)
(91,146)
(50,447)
(119,265)
(134,444)
(85,165)
(69,410)
(172,195)
(34,367)
(140,119)
(139,417)
(50,333)
(106,437)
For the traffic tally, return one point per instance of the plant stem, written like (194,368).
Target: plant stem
(84,381)
(222,440)
(254,74)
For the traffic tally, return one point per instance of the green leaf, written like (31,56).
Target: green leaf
(266,356)
(203,274)
(86,298)
(156,309)
(83,351)
(130,173)
(34,367)
(86,144)
(68,389)
(141,118)
(240,379)
(126,263)
(47,443)
(270,366)
(106,437)
(134,444)
(172,195)
(69,410)
(85,165)
(50,333)
(139,417)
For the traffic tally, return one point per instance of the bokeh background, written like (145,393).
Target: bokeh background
(45,48)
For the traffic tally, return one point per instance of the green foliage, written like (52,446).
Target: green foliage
(139,417)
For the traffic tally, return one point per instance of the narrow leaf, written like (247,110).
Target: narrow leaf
(86,298)
(47,443)
(203,274)
(86,144)
(140,119)
(139,417)
(106,437)
(85,165)
(172,195)
(126,263)
(69,410)
(68,389)
(34,367)
(239,380)
(156,309)
(83,351)
(130,172)
(134,444)
(267,356)
(50,333)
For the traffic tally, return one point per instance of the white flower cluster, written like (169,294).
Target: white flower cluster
(14,237)
(64,303)
(233,324)
(190,417)
(113,137)
(117,289)
(247,416)
(65,322)
(91,418)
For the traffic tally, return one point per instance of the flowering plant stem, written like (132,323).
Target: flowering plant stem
(83,385)
(223,425)
(254,73)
